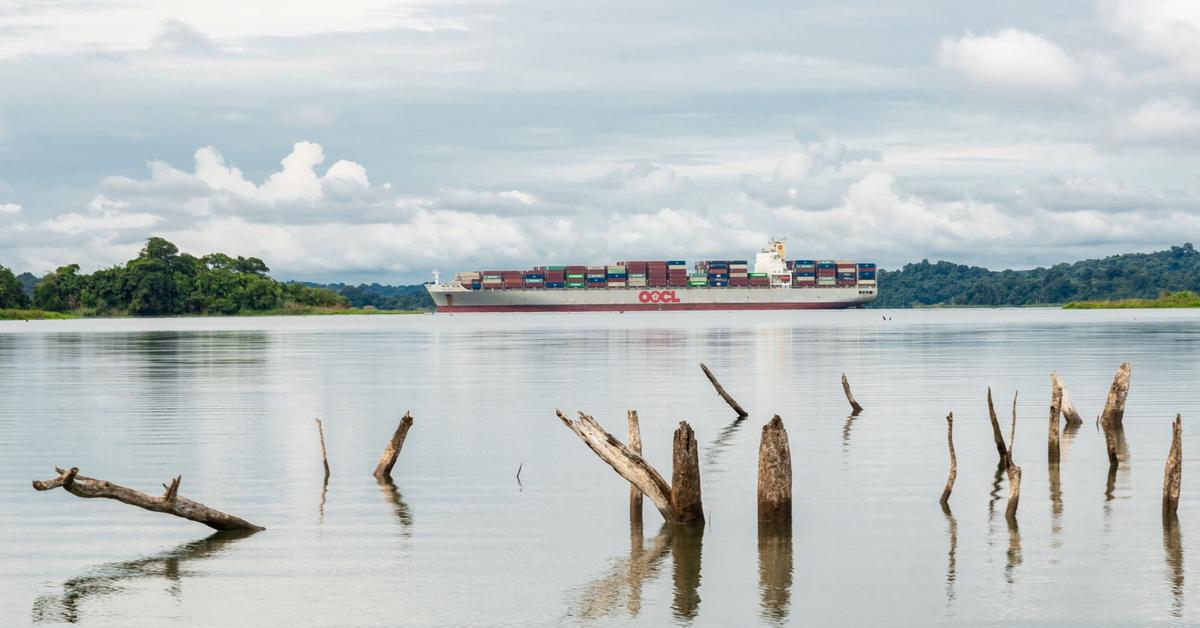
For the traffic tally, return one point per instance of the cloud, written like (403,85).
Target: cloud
(1013,60)
(10,209)
(804,176)
(1170,120)
(177,36)
(1168,30)
(1103,194)
(510,202)
(103,215)
(308,115)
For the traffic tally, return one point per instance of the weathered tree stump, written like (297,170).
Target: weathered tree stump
(721,391)
(997,435)
(1056,395)
(686,503)
(1014,472)
(623,460)
(170,503)
(324,455)
(1068,408)
(1173,473)
(392,451)
(945,500)
(855,408)
(774,473)
(635,445)
(1114,406)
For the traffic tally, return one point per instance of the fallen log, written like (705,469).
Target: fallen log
(170,503)
(1114,406)
(1056,396)
(1068,408)
(627,463)
(945,500)
(686,503)
(774,473)
(997,435)
(392,451)
(635,445)
(855,408)
(721,391)
(324,455)
(1173,473)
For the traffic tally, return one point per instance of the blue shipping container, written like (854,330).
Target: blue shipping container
(805,273)
(555,284)
(677,262)
(805,262)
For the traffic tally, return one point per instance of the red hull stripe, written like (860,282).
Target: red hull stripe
(645,307)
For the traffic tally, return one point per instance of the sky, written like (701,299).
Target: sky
(367,140)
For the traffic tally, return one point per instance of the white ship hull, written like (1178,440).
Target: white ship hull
(456,298)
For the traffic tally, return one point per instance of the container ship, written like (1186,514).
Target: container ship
(775,283)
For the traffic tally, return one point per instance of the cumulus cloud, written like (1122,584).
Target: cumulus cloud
(1168,30)
(1168,120)
(10,209)
(1011,59)
(804,176)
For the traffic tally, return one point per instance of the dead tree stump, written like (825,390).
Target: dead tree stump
(1014,472)
(721,391)
(324,455)
(774,473)
(391,452)
(623,460)
(997,435)
(1114,406)
(635,445)
(170,503)
(855,408)
(1173,473)
(686,503)
(1069,413)
(1056,395)
(945,500)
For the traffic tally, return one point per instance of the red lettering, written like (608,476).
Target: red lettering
(658,296)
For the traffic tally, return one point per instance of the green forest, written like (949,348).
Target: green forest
(1129,276)
(161,281)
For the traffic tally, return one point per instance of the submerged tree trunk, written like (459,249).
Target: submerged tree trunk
(1173,473)
(392,451)
(1056,396)
(1114,407)
(623,460)
(774,473)
(997,435)
(324,455)
(170,503)
(635,445)
(686,503)
(945,500)
(1068,408)
(721,391)
(855,408)
(1014,472)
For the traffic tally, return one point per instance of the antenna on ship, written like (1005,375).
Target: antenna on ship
(437,277)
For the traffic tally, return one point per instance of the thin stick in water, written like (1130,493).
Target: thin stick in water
(721,391)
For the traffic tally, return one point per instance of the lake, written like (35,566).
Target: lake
(229,403)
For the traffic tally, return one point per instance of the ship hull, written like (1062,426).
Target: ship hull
(453,300)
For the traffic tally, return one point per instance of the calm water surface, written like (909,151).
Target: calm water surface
(229,404)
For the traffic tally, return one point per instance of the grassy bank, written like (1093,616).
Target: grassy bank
(1185,298)
(32,315)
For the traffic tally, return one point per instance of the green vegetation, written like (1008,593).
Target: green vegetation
(380,297)
(1131,276)
(12,293)
(13,314)
(1186,298)
(161,281)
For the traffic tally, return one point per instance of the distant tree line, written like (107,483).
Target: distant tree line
(161,281)
(1130,276)
(381,297)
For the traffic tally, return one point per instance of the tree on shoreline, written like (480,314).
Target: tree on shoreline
(12,293)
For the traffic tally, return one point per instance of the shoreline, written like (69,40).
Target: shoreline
(41,315)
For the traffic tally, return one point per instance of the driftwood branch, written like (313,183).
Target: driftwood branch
(1173,473)
(1068,408)
(1114,406)
(774,473)
(953,461)
(635,445)
(170,503)
(997,435)
(721,391)
(324,454)
(855,408)
(686,503)
(392,451)
(623,460)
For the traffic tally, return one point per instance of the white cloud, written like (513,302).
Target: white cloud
(1167,29)
(1170,120)
(505,203)
(10,209)
(103,215)
(1011,59)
